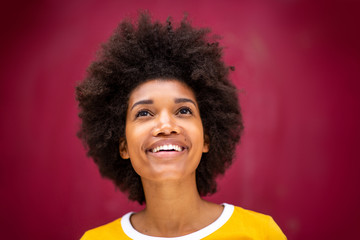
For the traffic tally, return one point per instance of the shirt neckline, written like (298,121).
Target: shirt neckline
(202,233)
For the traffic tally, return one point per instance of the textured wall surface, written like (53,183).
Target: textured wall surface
(297,66)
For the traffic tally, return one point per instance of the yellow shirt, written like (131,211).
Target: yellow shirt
(233,223)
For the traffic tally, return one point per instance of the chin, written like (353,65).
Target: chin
(168,176)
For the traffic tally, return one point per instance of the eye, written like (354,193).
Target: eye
(184,111)
(143,113)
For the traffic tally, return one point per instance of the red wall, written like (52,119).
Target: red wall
(298,68)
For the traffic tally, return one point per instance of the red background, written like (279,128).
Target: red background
(298,68)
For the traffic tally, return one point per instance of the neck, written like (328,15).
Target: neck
(170,196)
(173,208)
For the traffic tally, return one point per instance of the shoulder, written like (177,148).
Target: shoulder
(112,230)
(250,217)
(254,225)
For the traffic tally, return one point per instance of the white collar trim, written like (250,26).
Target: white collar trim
(202,233)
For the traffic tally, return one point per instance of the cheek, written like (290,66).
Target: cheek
(131,137)
(196,136)
(134,138)
(136,134)
(196,131)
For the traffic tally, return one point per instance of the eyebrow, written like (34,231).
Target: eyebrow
(181,100)
(142,102)
(149,101)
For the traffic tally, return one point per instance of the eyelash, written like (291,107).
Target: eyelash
(146,113)
(139,113)
(186,109)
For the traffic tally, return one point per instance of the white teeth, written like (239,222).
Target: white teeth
(167,147)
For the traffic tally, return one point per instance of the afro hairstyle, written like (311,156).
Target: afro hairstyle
(139,51)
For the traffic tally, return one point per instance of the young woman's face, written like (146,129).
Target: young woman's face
(164,132)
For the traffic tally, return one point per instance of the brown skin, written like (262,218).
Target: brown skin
(163,112)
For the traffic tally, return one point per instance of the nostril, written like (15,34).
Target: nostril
(165,131)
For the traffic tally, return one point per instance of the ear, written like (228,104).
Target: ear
(123,149)
(206,143)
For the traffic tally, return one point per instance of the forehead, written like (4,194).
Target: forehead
(161,88)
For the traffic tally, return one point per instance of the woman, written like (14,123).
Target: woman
(161,119)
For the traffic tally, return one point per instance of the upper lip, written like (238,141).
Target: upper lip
(167,142)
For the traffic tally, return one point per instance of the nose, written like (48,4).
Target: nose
(165,125)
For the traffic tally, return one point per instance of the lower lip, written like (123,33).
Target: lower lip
(167,154)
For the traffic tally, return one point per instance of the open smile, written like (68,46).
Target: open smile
(167,148)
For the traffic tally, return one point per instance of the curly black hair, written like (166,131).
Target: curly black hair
(144,50)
